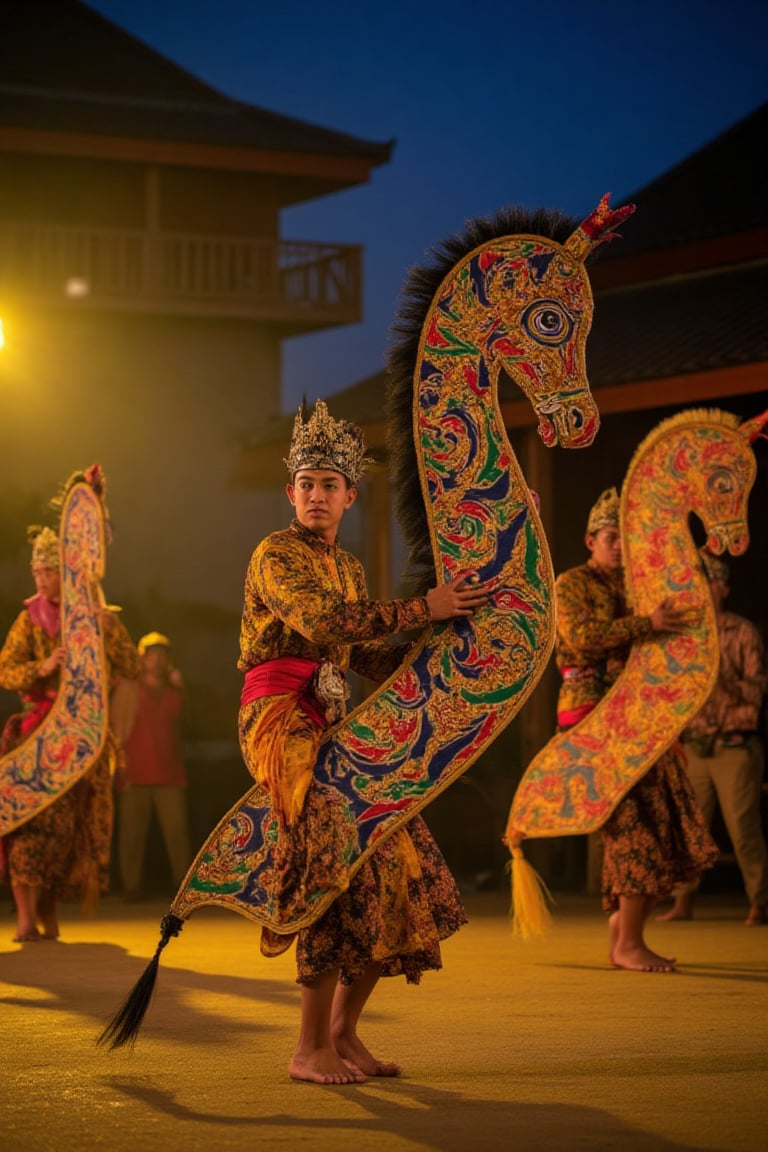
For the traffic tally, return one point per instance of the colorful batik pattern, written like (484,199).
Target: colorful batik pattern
(71,737)
(697,462)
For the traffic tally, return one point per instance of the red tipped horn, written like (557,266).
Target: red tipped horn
(753,429)
(597,228)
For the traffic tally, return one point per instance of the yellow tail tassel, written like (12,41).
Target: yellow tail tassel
(530,898)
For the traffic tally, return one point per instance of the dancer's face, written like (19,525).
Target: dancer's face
(719,592)
(321,498)
(605,546)
(156,660)
(46,581)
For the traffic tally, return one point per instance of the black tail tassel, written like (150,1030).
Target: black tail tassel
(124,1026)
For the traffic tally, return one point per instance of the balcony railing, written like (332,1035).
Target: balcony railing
(277,280)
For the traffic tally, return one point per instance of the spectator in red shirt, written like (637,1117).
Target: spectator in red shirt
(151,775)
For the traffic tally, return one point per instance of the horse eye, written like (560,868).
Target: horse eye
(721,482)
(547,322)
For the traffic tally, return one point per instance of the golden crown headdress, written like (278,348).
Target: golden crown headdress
(605,512)
(324,443)
(45,546)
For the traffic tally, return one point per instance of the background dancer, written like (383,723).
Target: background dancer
(656,836)
(62,853)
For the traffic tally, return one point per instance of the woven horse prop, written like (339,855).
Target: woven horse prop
(71,737)
(512,293)
(702,462)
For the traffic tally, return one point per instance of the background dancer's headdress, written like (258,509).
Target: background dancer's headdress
(45,546)
(322,442)
(605,512)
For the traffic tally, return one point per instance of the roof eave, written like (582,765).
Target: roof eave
(345,170)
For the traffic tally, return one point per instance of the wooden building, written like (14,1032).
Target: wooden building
(145,290)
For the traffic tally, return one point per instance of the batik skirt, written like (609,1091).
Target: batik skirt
(656,838)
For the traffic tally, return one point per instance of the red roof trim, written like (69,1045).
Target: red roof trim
(664,263)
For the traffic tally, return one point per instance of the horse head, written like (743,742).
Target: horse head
(543,300)
(721,483)
(510,294)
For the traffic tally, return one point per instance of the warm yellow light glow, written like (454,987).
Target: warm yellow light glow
(2,334)
(76,287)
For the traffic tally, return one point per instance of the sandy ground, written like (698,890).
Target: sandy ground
(537,1045)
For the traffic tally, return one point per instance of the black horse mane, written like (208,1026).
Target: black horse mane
(418,292)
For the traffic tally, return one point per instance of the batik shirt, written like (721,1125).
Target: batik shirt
(304,597)
(734,705)
(28,646)
(594,633)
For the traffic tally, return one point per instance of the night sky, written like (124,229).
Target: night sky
(489,102)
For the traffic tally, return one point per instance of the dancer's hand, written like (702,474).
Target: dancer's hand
(458,598)
(54,661)
(666,617)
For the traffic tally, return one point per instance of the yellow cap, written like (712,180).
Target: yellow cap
(153,640)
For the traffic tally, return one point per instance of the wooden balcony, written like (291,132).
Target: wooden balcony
(300,285)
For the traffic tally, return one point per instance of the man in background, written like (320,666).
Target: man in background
(725,751)
(151,775)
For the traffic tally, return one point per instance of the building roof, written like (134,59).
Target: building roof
(684,290)
(720,190)
(66,68)
(694,324)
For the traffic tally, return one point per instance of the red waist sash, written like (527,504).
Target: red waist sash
(36,708)
(570,716)
(286,674)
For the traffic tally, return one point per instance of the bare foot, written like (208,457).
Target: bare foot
(47,917)
(641,959)
(351,1048)
(26,935)
(757,916)
(674,914)
(324,1066)
(680,910)
(613,934)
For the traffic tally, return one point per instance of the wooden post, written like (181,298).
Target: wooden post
(153,255)
(379,532)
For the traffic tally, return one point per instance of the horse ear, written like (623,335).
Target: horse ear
(597,228)
(753,429)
